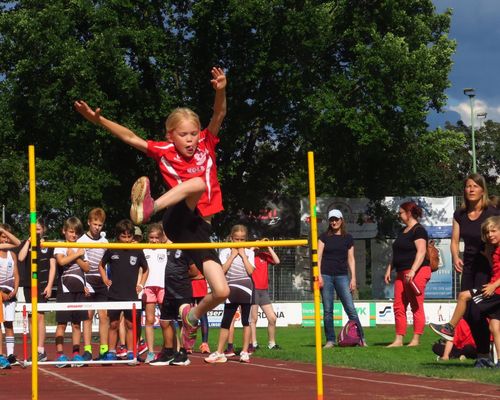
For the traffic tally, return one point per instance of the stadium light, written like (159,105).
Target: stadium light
(471,93)
(481,116)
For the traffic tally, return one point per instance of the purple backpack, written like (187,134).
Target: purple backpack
(350,336)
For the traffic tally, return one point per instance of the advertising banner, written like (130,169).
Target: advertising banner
(366,313)
(287,313)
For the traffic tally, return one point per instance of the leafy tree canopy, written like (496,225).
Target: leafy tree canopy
(351,80)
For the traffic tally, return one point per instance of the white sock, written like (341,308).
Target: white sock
(9,344)
(271,344)
(41,350)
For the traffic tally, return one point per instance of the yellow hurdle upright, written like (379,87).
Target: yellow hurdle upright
(34,275)
(315,270)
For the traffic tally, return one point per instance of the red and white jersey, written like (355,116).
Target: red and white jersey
(176,169)
(260,274)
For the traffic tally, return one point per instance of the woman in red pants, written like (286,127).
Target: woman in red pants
(412,273)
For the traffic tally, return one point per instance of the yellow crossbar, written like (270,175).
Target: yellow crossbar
(180,246)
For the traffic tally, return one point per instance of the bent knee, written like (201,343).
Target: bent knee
(198,185)
(221,293)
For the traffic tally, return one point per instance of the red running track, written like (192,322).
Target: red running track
(262,379)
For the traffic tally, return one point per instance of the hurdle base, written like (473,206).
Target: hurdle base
(92,362)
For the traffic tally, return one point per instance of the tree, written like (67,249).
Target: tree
(351,80)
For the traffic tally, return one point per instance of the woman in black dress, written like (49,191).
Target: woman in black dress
(474,266)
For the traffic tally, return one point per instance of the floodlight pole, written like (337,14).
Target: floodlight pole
(472,93)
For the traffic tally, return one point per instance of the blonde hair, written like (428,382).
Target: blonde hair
(487,225)
(75,224)
(155,227)
(239,228)
(179,115)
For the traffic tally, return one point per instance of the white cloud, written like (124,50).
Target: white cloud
(480,106)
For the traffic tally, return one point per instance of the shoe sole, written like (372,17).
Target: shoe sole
(137,196)
(443,335)
(218,361)
(160,363)
(229,354)
(181,363)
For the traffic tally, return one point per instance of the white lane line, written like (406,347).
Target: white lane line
(391,383)
(93,389)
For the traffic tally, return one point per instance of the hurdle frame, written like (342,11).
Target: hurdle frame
(181,246)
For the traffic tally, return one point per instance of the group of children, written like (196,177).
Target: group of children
(187,163)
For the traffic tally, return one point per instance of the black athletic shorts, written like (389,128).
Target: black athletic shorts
(487,306)
(41,297)
(99,295)
(183,225)
(71,316)
(170,308)
(114,315)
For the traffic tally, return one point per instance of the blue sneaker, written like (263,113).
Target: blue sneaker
(62,361)
(77,357)
(109,356)
(4,364)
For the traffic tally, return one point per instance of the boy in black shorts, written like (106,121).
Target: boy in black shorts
(178,294)
(124,266)
(72,264)
(98,292)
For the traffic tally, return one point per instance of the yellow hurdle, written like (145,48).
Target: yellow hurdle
(174,246)
(315,271)
(34,273)
(178,246)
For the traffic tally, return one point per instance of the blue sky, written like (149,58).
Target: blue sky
(475,25)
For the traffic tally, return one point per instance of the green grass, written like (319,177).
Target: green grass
(299,345)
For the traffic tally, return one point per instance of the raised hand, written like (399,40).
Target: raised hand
(218,80)
(89,114)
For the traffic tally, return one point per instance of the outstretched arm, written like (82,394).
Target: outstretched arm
(122,133)
(220,107)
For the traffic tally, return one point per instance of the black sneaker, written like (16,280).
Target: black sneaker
(446,331)
(181,358)
(274,347)
(163,358)
(12,359)
(87,356)
(484,363)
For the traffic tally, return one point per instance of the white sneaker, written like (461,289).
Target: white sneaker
(329,345)
(216,358)
(244,357)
